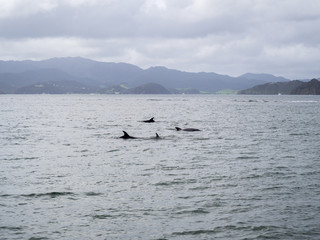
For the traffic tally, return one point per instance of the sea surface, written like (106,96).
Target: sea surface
(253,172)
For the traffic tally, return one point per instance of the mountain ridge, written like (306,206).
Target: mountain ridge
(105,74)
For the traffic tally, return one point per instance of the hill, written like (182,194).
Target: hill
(292,87)
(263,77)
(272,88)
(102,75)
(73,87)
(56,87)
(11,82)
(148,88)
(309,88)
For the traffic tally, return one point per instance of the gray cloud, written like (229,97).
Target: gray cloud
(230,37)
(117,20)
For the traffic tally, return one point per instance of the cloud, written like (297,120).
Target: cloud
(21,8)
(230,37)
(41,48)
(153,18)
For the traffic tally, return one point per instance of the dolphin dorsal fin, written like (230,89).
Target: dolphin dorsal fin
(157,136)
(178,129)
(125,134)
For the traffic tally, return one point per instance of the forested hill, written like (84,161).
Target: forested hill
(292,87)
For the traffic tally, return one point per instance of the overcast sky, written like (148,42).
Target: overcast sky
(280,37)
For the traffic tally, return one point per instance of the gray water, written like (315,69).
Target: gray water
(253,172)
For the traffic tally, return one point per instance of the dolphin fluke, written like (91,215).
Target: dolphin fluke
(126,135)
(188,129)
(151,120)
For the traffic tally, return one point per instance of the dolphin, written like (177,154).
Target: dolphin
(126,136)
(188,129)
(151,120)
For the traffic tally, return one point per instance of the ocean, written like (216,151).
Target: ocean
(252,172)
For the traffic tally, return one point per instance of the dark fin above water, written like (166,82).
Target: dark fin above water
(126,135)
(149,121)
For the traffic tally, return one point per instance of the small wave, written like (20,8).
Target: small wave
(21,158)
(102,216)
(5,195)
(199,188)
(195,232)
(315,172)
(289,156)
(220,229)
(113,214)
(93,194)
(113,150)
(38,238)
(11,228)
(49,194)
(176,182)
(264,228)
(252,176)
(194,211)
(247,157)
(201,139)
(170,168)
(299,134)
(155,100)
(163,184)
(271,188)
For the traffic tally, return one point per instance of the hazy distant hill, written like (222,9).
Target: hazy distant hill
(263,77)
(11,82)
(292,87)
(83,70)
(202,81)
(148,88)
(18,74)
(101,72)
(56,87)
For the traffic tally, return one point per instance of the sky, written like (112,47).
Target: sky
(231,37)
